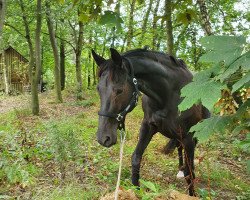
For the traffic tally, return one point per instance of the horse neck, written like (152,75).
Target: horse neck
(153,79)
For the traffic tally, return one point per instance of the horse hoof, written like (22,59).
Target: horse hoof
(180,174)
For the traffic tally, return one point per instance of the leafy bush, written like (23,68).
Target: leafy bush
(15,156)
(222,88)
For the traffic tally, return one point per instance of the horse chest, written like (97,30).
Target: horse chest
(165,123)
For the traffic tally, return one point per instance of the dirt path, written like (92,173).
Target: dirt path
(8,103)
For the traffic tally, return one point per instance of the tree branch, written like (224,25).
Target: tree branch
(14,28)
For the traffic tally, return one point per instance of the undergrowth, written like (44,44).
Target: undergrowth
(58,157)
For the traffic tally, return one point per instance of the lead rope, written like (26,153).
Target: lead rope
(123,138)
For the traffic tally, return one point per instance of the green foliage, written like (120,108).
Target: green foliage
(205,194)
(111,19)
(148,190)
(222,48)
(64,139)
(208,98)
(15,167)
(230,70)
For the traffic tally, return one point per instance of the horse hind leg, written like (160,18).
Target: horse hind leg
(189,145)
(170,146)
(180,156)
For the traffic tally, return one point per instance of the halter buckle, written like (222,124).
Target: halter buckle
(135,81)
(119,117)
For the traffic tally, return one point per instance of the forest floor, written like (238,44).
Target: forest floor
(55,156)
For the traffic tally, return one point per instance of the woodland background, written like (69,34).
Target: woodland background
(47,141)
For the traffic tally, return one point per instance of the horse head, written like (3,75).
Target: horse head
(116,93)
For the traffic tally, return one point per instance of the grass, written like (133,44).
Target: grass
(56,156)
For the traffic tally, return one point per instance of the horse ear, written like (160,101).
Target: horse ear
(116,57)
(98,59)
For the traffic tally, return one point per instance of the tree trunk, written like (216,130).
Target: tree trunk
(5,75)
(114,33)
(104,42)
(62,60)
(154,26)
(36,74)
(55,52)
(88,69)
(93,62)
(32,61)
(130,24)
(160,36)
(168,15)
(145,22)
(205,22)
(62,64)
(78,53)
(2,17)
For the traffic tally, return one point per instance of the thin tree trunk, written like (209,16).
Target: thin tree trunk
(5,75)
(2,17)
(169,27)
(32,61)
(36,74)
(62,60)
(114,34)
(130,24)
(145,22)
(154,26)
(62,64)
(55,52)
(88,69)
(78,62)
(104,42)
(160,36)
(205,22)
(194,47)
(93,62)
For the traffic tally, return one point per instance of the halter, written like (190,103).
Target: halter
(120,117)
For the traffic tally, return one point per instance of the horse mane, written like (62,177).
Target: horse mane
(157,56)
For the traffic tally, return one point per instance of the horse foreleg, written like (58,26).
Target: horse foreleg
(189,146)
(146,133)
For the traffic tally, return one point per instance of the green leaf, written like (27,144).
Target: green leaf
(203,130)
(207,92)
(222,48)
(243,81)
(61,1)
(222,43)
(186,17)
(243,109)
(84,17)
(149,185)
(245,144)
(242,63)
(111,19)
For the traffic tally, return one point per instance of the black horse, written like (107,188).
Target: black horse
(159,77)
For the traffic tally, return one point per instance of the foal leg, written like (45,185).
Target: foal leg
(146,133)
(189,146)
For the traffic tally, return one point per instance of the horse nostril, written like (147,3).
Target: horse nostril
(107,141)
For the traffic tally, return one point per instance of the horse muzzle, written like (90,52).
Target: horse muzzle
(106,140)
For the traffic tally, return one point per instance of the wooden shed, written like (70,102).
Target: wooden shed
(13,71)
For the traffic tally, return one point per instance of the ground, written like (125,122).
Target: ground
(56,156)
